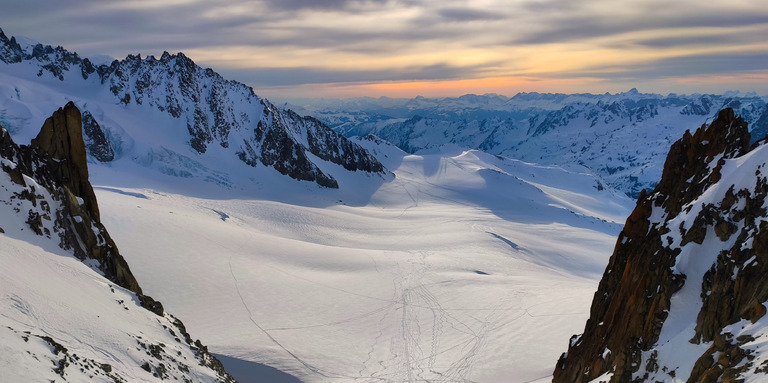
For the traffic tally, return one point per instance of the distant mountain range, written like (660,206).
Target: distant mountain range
(140,101)
(171,115)
(621,137)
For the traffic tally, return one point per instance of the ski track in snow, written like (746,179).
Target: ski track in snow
(310,367)
(413,299)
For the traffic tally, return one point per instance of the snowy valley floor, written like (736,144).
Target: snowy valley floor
(462,267)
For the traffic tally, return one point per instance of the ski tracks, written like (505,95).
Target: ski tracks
(427,342)
(432,344)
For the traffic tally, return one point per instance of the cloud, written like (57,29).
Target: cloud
(705,39)
(272,77)
(677,67)
(565,27)
(337,5)
(282,42)
(693,65)
(468,14)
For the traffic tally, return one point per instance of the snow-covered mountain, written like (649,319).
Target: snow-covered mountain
(683,298)
(71,308)
(169,114)
(621,137)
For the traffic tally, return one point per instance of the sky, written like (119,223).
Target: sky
(432,48)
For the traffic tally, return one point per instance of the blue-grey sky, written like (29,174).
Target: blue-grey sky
(299,48)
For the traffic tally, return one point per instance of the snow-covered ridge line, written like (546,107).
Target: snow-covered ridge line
(202,109)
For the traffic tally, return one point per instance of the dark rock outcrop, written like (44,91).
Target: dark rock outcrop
(633,299)
(96,142)
(333,147)
(10,50)
(61,138)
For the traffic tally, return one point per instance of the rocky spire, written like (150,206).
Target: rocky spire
(10,51)
(62,138)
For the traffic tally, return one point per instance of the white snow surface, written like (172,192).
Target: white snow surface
(463,267)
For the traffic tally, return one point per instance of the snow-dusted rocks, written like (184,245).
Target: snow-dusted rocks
(70,307)
(56,161)
(197,106)
(683,297)
(97,144)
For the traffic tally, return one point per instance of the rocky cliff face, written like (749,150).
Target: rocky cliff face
(683,296)
(215,111)
(96,142)
(45,185)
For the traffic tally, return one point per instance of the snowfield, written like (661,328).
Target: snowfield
(462,267)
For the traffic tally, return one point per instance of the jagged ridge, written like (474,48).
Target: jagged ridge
(216,111)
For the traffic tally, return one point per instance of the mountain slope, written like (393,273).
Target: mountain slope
(683,297)
(196,106)
(72,310)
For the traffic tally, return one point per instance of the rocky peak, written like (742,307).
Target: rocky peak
(96,142)
(633,300)
(61,137)
(10,50)
(689,167)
